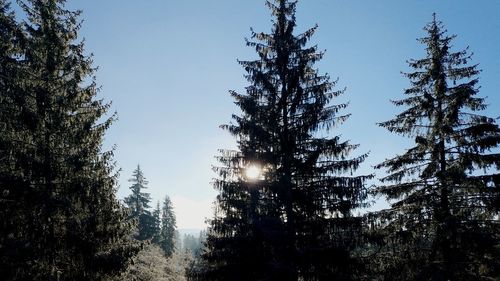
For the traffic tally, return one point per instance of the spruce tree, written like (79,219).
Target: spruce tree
(443,221)
(69,225)
(138,204)
(157,224)
(293,220)
(12,188)
(138,201)
(168,226)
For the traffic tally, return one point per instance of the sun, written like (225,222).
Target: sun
(253,172)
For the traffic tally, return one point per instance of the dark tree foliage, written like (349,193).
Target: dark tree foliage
(12,221)
(443,221)
(157,224)
(293,222)
(168,226)
(195,246)
(138,204)
(57,186)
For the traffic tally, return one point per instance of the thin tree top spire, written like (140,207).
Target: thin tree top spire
(138,177)
(284,7)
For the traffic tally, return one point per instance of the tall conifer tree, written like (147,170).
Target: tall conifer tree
(168,226)
(13,250)
(443,223)
(157,223)
(138,204)
(71,227)
(293,221)
(138,201)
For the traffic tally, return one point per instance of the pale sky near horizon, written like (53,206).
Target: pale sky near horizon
(167,66)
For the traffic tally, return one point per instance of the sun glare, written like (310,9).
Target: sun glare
(253,172)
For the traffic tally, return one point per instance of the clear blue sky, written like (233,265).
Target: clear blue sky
(168,65)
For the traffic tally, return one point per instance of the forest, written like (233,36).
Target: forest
(291,201)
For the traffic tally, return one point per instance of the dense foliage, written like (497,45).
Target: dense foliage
(295,220)
(60,218)
(286,196)
(138,203)
(443,222)
(168,226)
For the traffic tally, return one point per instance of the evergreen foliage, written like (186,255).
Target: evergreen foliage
(443,221)
(286,196)
(13,218)
(157,224)
(294,221)
(138,204)
(66,223)
(194,245)
(168,226)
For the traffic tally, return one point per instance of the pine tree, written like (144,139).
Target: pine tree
(138,204)
(168,226)
(197,264)
(157,224)
(443,222)
(12,188)
(293,221)
(138,201)
(69,225)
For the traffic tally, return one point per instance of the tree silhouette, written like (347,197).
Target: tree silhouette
(293,221)
(441,225)
(70,225)
(138,204)
(168,226)
(138,201)
(13,213)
